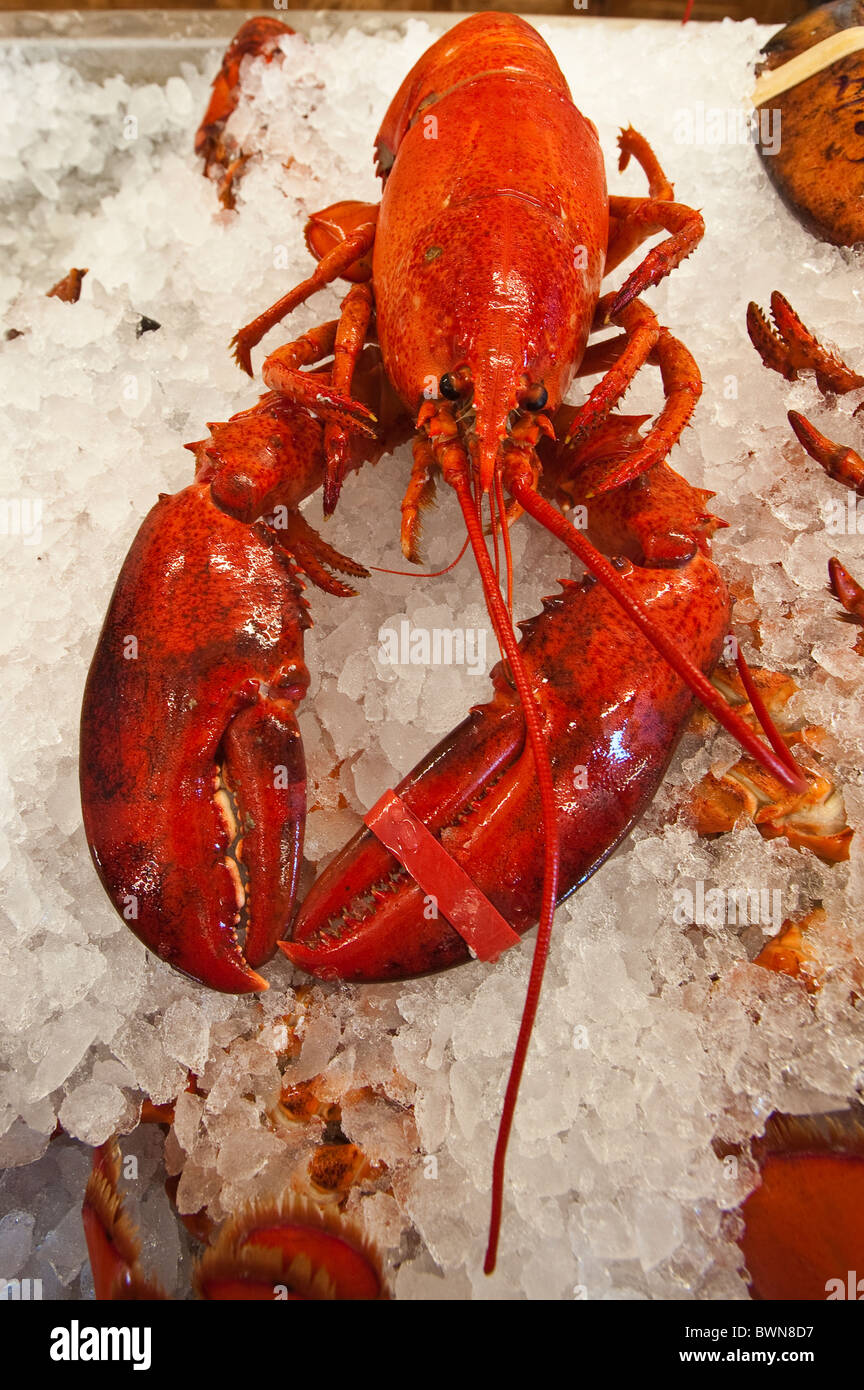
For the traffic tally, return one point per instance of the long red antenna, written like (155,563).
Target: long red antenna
(422,574)
(505,535)
(775,738)
(507,638)
(493,527)
(781,766)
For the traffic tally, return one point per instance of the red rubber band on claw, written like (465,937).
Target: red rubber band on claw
(481,926)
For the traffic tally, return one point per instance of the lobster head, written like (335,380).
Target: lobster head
(487,276)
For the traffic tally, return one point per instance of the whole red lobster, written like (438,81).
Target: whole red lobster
(476,286)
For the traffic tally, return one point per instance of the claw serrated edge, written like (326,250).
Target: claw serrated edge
(236,1257)
(104,1214)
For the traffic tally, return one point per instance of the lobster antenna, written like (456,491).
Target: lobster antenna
(782,766)
(419,574)
(772,733)
(493,526)
(507,639)
(497,576)
(505,536)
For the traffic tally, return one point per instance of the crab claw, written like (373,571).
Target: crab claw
(192,769)
(612,712)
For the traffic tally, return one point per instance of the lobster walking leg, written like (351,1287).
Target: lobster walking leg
(633,145)
(602,357)
(632,221)
(682,387)
(644,340)
(326,394)
(626,232)
(350,340)
(343,257)
(641,332)
(649,216)
(333,225)
(315,390)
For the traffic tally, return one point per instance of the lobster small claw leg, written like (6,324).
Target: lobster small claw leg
(841,464)
(845,589)
(787,346)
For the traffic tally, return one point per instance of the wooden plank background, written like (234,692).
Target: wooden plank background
(766,11)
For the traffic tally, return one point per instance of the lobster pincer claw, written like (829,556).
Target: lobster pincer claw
(192,769)
(612,712)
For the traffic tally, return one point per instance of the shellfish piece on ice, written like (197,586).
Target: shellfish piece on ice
(817,163)
(804,1224)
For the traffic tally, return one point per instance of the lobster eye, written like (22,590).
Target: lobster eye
(535,398)
(448,387)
